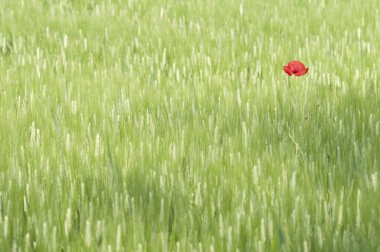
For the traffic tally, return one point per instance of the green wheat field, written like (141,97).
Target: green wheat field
(170,125)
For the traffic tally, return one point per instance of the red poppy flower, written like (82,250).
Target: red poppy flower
(295,67)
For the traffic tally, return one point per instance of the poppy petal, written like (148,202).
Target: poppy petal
(287,70)
(295,67)
(302,72)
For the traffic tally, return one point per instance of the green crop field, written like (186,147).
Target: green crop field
(170,125)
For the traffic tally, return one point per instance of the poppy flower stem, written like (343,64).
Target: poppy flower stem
(289,93)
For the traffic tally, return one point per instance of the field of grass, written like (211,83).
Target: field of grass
(164,125)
